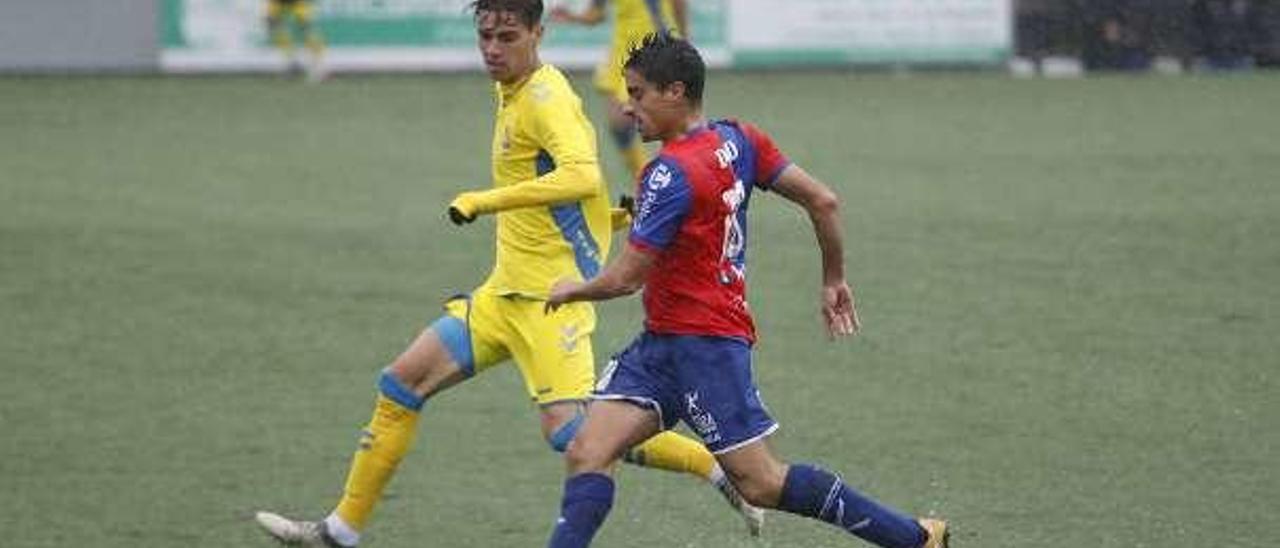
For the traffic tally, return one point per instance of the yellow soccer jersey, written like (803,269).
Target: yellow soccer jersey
(545,148)
(632,21)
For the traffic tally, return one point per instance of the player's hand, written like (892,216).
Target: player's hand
(561,292)
(462,209)
(839,311)
(560,14)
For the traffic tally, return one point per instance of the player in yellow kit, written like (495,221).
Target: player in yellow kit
(279,14)
(553,222)
(632,21)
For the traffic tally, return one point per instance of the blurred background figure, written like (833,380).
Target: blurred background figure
(1225,34)
(1117,36)
(1267,53)
(632,21)
(284,19)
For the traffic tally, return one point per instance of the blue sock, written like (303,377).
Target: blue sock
(813,492)
(587,500)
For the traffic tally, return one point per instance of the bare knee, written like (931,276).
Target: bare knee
(586,455)
(759,479)
(560,424)
(763,490)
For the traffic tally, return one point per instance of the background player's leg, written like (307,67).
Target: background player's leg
(677,453)
(623,130)
(312,40)
(810,491)
(424,369)
(671,451)
(440,357)
(281,35)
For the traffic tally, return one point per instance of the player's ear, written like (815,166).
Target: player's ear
(536,30)
(677,90)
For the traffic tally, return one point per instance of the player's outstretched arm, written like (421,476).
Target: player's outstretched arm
(823,206)
(567,183)
(624,276)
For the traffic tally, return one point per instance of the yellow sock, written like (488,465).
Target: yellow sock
(671,451)
(634,155)
(383,443)
(282,38)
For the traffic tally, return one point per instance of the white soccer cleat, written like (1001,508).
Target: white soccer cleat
(937,535)
(752,515)
(316,71)
(296,533)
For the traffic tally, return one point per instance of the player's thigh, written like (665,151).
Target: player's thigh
(610,429)
(455,347)
(718,395)
(553,351)
(639,375)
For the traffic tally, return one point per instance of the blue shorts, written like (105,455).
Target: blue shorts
(704,381)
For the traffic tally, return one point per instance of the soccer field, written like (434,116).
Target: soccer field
(1069,291)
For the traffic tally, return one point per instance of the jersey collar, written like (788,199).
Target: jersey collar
(510,91)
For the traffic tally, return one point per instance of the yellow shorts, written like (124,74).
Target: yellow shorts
(299,9)
(553,351)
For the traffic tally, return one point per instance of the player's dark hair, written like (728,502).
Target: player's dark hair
(665,59)
(529,11)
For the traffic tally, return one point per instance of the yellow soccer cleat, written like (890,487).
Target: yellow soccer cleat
(937,530)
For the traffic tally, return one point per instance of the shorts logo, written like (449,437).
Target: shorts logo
(569,337)
(366,439)
(540,92)
(701,421)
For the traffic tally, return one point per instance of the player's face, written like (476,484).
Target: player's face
(659,114)
(509,48)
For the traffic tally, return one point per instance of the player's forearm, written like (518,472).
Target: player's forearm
(624,276)
(608,285)
(825,215)
(567,183)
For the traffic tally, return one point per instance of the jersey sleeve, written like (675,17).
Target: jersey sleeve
(663,199)
(769,160)
(558,126)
